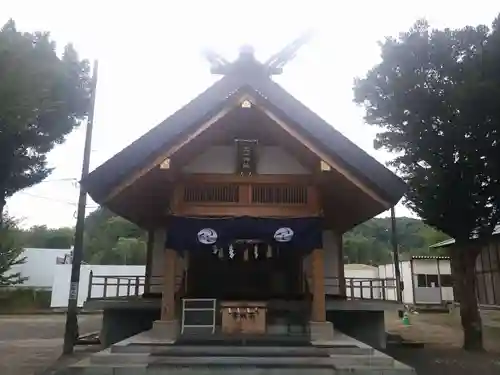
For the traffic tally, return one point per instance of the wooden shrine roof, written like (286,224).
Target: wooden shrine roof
(103,180)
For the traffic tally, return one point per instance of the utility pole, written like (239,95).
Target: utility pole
(71,331)
(395,255)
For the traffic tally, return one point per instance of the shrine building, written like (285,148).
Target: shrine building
(245,194)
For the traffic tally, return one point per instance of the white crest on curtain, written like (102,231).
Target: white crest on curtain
(284,234)
(207,236)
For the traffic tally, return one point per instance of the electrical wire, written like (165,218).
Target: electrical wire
(54,199)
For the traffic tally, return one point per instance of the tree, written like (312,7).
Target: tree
(39,236)
(435,97)
(110,239)
(43,97)
(370,242)
(130,251)
(10,254)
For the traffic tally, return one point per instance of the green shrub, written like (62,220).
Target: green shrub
(23,299)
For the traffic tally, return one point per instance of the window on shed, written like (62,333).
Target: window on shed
(421,280)
(427,281)
(432,281)
(390,282)
(446,281)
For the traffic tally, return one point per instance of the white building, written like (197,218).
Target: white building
(359,278)
(39,267)
(62,274)
(426,281)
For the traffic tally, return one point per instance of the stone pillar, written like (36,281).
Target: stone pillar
(320,328)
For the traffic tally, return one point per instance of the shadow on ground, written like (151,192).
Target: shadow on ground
(431,360)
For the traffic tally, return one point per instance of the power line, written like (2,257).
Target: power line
(54,199)
(67,179)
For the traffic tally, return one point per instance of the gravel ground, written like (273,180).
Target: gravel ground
(31,343)
(442,338)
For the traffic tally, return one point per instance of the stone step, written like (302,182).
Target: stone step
(216,370)
(87,369)
(339,361)
(181,350)
(241,362)
(366,370)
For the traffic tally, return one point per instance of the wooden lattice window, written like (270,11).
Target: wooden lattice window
(212,193)
(279,194)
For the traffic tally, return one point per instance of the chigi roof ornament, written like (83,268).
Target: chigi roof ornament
(247,63)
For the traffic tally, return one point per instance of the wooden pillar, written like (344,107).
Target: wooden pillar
(149,262)
(341,273)
(318,292)
(168,293)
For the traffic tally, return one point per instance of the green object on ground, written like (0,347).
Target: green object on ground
(406,319)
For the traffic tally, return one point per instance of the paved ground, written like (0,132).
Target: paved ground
(442,338)
(31,343)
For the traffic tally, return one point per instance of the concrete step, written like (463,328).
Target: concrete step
(178,350)
(242,362)
(338,361)
(216,370)
(88,369)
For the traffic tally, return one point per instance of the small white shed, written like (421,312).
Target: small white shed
(426,280)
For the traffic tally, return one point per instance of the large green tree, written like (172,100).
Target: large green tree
(435,97)
(10,254)
(43,97)
(370,242)
(39,236)
(110,239)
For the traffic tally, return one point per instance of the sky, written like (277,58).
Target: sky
(150,64)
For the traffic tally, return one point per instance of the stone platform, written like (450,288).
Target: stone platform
(146,354)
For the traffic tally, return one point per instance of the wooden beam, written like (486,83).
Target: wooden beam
(285,179)
(167,154)
(253,210)
(318,313)
(168,293)
(341,271)
(149,261)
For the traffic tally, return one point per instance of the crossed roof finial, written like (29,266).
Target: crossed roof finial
(246,60)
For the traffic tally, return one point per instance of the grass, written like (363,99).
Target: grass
(21,299)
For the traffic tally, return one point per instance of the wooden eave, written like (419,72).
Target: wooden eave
(115,180)
(290,130)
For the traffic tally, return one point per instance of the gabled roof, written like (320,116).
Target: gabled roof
(451,241)
(270,95)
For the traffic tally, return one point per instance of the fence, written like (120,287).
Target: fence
(113,286)
(364,288)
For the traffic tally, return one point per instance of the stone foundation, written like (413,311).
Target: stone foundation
(165,329)
(321,331)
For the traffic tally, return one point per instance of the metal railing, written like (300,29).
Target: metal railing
(193,306)
(120,286)
(363,288)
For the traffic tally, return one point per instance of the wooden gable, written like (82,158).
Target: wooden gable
(140,182)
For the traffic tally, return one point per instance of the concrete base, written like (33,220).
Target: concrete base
(321,331)
(366,326)
(165,329)
(134,356)
(119,324)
